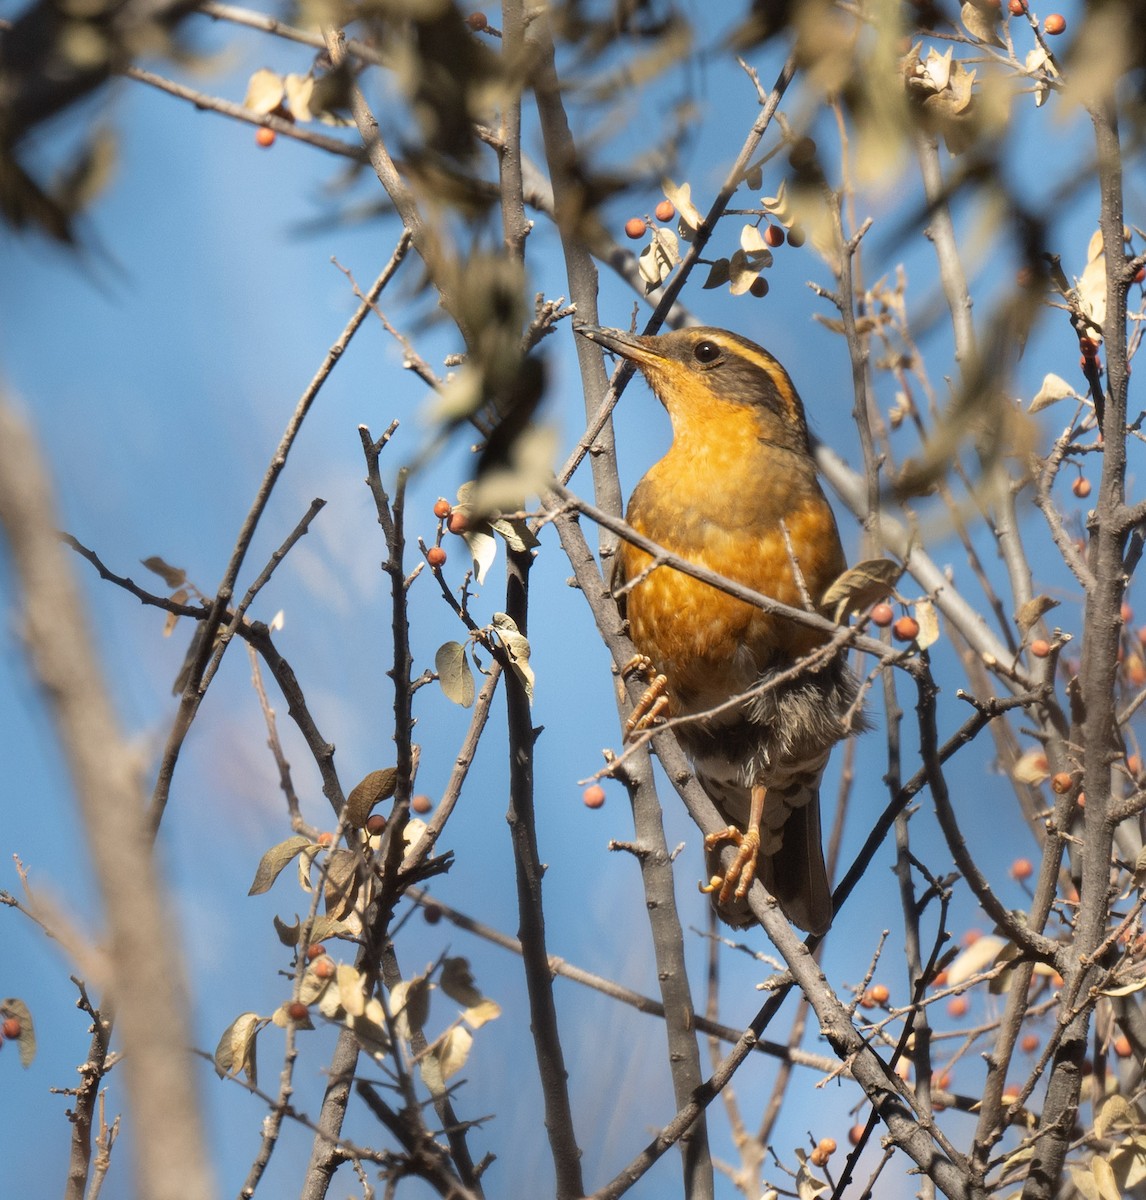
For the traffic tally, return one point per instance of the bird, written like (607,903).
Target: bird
(737,492)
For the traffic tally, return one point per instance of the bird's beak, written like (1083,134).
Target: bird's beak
(616,341)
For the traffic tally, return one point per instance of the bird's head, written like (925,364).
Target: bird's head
(699,373)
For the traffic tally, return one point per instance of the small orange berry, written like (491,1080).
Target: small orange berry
(1140,275)
(940,980)
(1080,800)
(1136,670)
(1081,487)
(879,993)
(827,1145)
(458,522)
(297,1011)
(1030,1043)
(12,1028)
(324,968)
(375,824)
(855,1134)
(421,804)
(1054,24)
(942,1080)
(906,629)
(1011,1093)
(477,21)
(1126,613)
(1061,783)
(1134,764)
(1040,647)
(971,937)
(325,839)
(1017,7)
(634,228)
(818,1158)
(957,1006)
(593,796)
(1122,1046)
(436,556)
(1022,868)
(664,211)
(882,615)
(265,137)
(442,508)
(315,950)
(1088,346)
(773,235)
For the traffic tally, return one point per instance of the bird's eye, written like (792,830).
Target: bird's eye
(706,352)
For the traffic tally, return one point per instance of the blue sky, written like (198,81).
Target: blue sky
(159,369)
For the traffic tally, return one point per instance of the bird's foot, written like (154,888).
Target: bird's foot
(653,704)
(735,882)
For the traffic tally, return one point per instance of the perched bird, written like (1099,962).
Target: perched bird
(737,493)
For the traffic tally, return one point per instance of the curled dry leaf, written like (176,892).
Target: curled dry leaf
(718,274)
(265,91)
(174,577)
(681,198)
(1032,767)
(369,1029)
(977,957)
(410,1004)
(1031,612)
(861,586)
(369,791)
(455,674)
(351,990)
(275,859)
(453,1050)
(457,982)
(236,1049)
(928,620)
(1054,388)
(517,645)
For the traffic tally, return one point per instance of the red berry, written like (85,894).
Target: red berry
(971,937)
(436,556)
(882,615)
(593,796)
(375,824)
(11,1028)
(796,236)
(906,629)
(265,137)
(324,968)
(1140,275)
(634,228)
(759,287)
(1040,647)
(421,804)
(1022,868)
(1030,1043)
(1081,487)
(664,211)
(432,913)
(1122,1046)
(325,839)
(297,1011)
(773,236)
(855,1134)
(957,1006)
(477,21)
(879,993)
(458,522)
(1134,764)
(940,980)
(442,508)
(1054,24)
(315,950)
(1017,7)
(1061,783)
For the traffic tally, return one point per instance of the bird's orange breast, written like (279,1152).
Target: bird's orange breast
(722,498)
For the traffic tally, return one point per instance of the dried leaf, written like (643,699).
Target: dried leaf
(288,934)
(478,1014)
(369,791)
(1129,1161)
(236,1049)
(455,673)
(742,273)
(369,1029)
(518,536)
(1031,612)
(1115,1108)
(718,274)
(483,550)
(453,1050)
(14,1007)
(1092,290)
(342,882)
(1104,1177)
(1126,989)
(272,863)
(299,89)
(681,198)
(174,577)
(457,982)
(859,587)
(517,645)
(981,21)
(264,91)
(410,1004)
(928,620)
(654,264)
(351,989)
(1032,767)
(977,957)
(1054,388)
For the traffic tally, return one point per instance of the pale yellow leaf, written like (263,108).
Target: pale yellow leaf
(264,91)
(453,1050)
(977,957)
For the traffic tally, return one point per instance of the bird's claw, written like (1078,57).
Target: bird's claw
(735,882)
(653,704)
